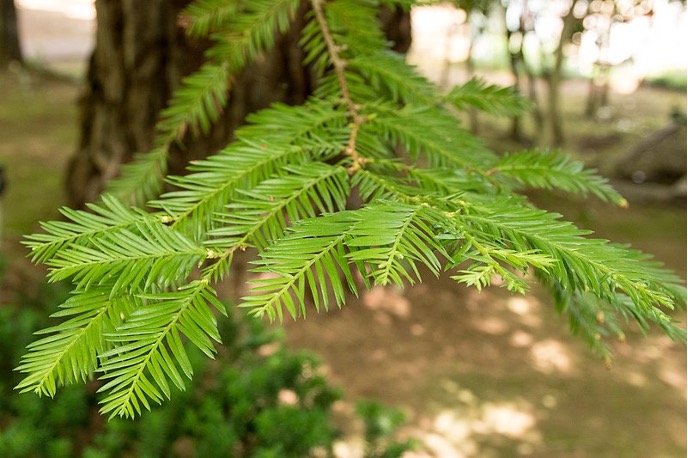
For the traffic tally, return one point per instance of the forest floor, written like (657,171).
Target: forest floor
(478,374)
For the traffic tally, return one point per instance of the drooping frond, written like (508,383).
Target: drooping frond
(314,46)
(202,96)
(245,36)
(492,99)
(70,352)
(197,104)
(486,258)
(393,79)
(148,350)
(596,320)
(317,123)
(549,170)
(148,255)
(321,264)
(314,132)
(82,227)
(390,238)
(214,183)
(374,186)
(142,178)
(203,17)
(430,133)
(451,181)
(581,264)
(371,181)
(354,26)
(261,214)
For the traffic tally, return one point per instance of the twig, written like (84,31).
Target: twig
(340,70)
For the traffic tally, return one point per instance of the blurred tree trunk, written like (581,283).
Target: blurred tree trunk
(519,67)
(10,50)
(598,92)
(552,133)
(140,56)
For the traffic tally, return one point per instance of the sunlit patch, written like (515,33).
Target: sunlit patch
(636,379)
(287,397)
(520,305)
(549,401)
(417,330)
(625,82)
(491,325)
(521,339)
(550,356)
(526,308)
(349,449)
(389,300)
(459,432)
(672,378)
(506,419)
(76,9)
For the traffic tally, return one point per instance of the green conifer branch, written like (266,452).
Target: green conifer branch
(149,349)
(375,133)
(204,17)
(492,99)
(247,31)
(70,353)
(151,255)
(109,216)
(549,169)
(321,265)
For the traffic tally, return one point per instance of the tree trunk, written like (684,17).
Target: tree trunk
(140,56)
(10,50)
(519,67)
(553,132)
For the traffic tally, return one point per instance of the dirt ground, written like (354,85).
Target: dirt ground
(479,374)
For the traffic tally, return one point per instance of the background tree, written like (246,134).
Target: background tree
(477,14)
(518,23)
(553,64)
(10,50)
(142,52)
(597,22)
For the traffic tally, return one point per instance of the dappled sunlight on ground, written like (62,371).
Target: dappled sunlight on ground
(551,356)
(458,432)
(387,301)
(493,374)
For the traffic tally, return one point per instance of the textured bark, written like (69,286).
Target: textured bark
(10,50)
(140,56)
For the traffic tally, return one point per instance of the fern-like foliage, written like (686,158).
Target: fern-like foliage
(489,98)
(149,349)
(372,181)
(70,352)
(241,31)
(549,170)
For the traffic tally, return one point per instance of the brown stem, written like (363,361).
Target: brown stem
(340,70)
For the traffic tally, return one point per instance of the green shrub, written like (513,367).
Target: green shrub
(245,403)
